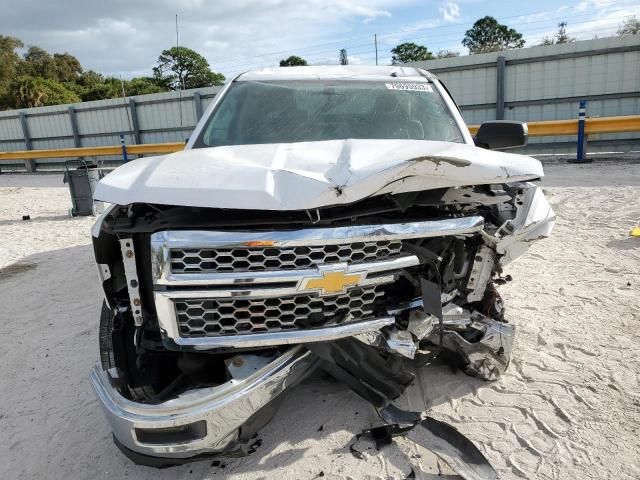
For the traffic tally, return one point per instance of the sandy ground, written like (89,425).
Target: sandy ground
(568,408)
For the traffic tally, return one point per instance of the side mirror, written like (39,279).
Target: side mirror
(501,134)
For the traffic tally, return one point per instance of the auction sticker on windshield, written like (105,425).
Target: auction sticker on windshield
(413,87)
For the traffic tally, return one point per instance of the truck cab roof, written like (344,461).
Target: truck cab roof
(338,72)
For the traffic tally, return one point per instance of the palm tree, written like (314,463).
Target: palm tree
(30,93)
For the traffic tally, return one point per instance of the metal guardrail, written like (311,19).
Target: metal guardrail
(91,151)
(549,128)
(629,123)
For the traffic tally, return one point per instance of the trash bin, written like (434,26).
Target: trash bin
(82,178)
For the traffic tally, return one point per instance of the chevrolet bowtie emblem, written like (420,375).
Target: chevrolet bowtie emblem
(331,282)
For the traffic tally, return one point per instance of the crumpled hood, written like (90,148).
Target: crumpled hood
(308,175)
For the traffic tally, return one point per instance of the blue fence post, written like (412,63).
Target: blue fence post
(581,156)
(124,149)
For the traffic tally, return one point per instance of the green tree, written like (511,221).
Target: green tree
(67,67)
(181,67)
(487,35)
(9,61)
(89,78)
(39,78)
(559,37)
(410,52)
(293,61)
(29,92)
(101,91)
(62,67)
(629,26)
(142,86)
(91,85)
(38,63)
(447,54)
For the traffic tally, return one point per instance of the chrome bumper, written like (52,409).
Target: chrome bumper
(200,421)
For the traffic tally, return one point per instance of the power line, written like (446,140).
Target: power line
(393,34)
(442,40)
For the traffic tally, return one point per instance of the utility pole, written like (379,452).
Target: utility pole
(177,38)
(344,59)
(375,40)
(180,81)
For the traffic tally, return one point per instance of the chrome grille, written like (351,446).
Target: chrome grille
(217,317)
(220,289)
(209,260)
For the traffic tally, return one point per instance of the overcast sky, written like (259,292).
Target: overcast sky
(125,37)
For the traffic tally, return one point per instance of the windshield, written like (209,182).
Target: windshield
(307,111)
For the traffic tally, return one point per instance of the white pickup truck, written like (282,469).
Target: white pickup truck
(331,217)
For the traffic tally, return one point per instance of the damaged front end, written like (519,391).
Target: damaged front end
(210,313)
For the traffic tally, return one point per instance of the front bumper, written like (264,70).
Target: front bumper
(201,421)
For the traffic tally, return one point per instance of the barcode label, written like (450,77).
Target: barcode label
(413,87)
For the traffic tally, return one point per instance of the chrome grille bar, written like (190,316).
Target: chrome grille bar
(162,243)
(279,276)
(319,236)
(265,291)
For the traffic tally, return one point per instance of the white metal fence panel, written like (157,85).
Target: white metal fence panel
(529,84)
(154,118)
(546,83)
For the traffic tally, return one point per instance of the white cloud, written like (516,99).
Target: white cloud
(598,18)
(370,19)
(450,11)
(586,5)
(126,36)
(536,17)
(407,33)
(361,9)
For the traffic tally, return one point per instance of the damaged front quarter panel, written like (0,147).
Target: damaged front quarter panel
(534,219)
(232,272)
(458,259)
